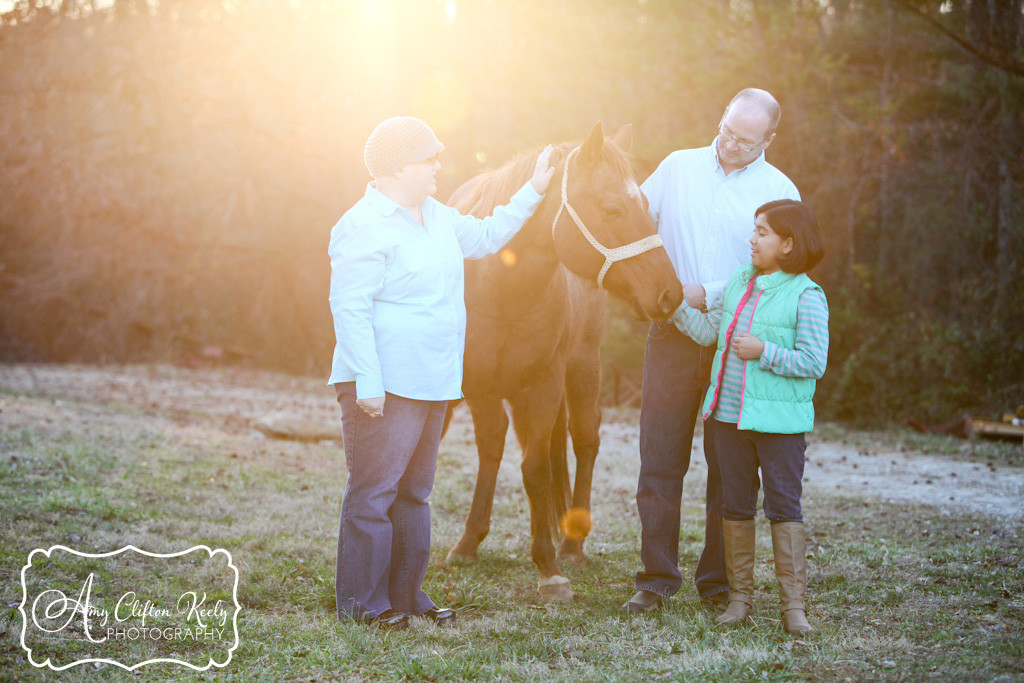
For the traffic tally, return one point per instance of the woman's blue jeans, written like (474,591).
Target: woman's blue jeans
(384,537)
(676,376)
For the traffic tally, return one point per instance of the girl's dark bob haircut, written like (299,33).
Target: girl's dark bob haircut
(790,218)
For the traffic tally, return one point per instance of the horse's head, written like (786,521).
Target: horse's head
(602,230)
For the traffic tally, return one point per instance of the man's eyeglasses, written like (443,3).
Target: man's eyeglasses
(742,144)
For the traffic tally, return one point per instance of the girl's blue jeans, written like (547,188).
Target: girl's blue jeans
(780,459)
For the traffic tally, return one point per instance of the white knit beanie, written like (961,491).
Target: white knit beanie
(398,141)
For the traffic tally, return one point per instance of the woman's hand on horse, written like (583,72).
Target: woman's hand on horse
(543,171)
(747,346)
(374,407)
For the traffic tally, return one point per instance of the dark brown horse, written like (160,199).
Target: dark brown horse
(534,327)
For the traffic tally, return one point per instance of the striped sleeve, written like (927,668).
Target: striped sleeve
(810,356)
(700,327)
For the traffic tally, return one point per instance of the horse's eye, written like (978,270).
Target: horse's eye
(611,211)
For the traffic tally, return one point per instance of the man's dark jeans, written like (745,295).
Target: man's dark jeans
(676,371)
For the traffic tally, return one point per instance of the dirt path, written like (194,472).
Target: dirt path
(233,400)
(890,475)
(876,475)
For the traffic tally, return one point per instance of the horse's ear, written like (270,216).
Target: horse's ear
(590,151)
(624,138)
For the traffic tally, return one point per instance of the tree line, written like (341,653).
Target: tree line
(173,168)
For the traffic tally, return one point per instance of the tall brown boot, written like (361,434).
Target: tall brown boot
(739,565)
(789,541)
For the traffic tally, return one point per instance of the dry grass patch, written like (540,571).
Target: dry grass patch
(899,592)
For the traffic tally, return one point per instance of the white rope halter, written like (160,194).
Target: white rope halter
(610,255)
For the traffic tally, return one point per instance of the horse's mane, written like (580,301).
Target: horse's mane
(495,187)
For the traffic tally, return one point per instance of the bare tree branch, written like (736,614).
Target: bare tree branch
(993,57)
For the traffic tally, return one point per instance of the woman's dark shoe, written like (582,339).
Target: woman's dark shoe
(442,616)
(390,620)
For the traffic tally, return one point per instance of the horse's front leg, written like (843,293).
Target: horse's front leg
(490,424)
(583,381)
(534,412)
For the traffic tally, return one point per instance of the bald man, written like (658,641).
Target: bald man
(703,202)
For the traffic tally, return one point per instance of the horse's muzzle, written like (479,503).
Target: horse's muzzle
(666,306)
(668,303)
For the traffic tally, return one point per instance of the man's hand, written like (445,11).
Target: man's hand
(747,346)
(543,171)
(374,407)
(696,297)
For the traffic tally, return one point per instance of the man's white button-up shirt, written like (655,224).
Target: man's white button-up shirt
(705,217)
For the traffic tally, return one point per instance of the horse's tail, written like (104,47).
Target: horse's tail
(561,489)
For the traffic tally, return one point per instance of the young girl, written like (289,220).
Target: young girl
(771,325)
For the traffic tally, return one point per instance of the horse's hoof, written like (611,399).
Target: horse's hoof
(572,557)
(571,550)
(556,588)
(459,559)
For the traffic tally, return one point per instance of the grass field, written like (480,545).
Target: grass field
(898,592)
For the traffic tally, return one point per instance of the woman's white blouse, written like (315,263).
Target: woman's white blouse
(397,292)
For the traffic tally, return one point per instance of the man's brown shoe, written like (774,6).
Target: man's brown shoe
(644,601)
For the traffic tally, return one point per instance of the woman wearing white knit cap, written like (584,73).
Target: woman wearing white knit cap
(400,323)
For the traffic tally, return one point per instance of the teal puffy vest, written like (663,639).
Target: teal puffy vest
(769,403)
